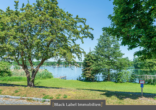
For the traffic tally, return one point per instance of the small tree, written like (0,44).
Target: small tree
(88,72)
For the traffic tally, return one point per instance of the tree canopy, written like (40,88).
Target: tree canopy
(132,23)
(41,32)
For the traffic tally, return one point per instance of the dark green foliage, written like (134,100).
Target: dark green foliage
(133,23)
(88,72)
(133,77)
(119,77)
(122,63)
(147,66)
(5,73)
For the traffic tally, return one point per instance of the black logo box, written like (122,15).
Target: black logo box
(77,103)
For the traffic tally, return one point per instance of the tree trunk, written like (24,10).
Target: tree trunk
(27,75)
(30,83)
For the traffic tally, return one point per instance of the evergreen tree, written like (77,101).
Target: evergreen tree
(108,54)
(88,72)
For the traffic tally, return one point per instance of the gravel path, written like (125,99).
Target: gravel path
(7,101)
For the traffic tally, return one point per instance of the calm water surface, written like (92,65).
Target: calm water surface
(71,73)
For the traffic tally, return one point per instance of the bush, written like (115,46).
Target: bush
(133,77)
(122,76)
(119,77)
(44,74)
(5,73)
(5,69)
(41,74)
(151,81)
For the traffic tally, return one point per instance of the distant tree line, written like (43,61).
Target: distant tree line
(53,63)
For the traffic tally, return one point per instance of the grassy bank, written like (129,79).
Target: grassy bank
(74,89)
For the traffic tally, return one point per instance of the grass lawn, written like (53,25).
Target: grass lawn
(73,89)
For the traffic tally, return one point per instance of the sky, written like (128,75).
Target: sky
(96,13)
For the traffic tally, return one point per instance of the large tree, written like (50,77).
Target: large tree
(41,32)
(132,23)
(109,55)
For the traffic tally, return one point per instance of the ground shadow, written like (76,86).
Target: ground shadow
(122,95)
(5,84)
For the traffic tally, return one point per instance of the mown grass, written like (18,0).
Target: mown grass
(74,89)
(74,84)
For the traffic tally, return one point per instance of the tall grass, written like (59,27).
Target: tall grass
(20,75)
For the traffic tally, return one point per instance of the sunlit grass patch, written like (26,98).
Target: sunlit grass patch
(47,97)
(65,96)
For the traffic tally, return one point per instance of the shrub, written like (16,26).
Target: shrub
(151,81)
(65,96)
(44,74)
(122,76)
(41,74)
(133,77)
(5,69)
(119,77)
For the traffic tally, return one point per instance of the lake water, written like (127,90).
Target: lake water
(71,73)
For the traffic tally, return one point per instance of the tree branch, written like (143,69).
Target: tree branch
(18,62)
